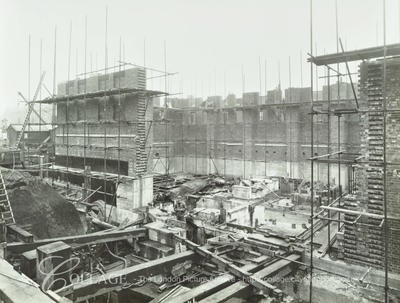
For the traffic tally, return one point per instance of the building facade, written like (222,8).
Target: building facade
(104,126)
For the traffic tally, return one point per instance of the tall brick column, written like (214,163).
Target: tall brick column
(364,241)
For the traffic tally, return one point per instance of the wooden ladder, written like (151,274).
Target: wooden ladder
(21,134)
(5,207)
(30,110)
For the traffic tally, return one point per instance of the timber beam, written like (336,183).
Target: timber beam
(356,55)
(238,272)
(94,238)
(282,265)
(20,233)
(119,279)
(216,284)
(227,285)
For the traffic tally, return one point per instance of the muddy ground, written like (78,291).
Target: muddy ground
(39,208)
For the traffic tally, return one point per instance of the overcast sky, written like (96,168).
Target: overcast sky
(208,42)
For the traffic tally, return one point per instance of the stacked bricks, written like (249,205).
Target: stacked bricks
(141,155)
(101,113)
(274,96)
(393,156)
(297,94)
(365,240)
(362,243)
(345,91)
(250,99)
(130,78)
(137,78)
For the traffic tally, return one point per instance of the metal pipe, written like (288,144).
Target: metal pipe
(327,155)
(348,72)
(119,110)
(356,219)
(338,101)
(312,161)
(40,88)
(384,159)
(105,112)
(244,126)
(84,99)
(166,106)
(339,166)
(53,108)
(333,202)
(224,146)
(29,90)
(353,212)
(68,94)
(328,149)
(93,192)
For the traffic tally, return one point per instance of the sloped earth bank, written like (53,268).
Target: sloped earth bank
(39,208)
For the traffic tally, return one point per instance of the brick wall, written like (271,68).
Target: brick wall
(268,137)
(364,241)
(87,125)
(129,78)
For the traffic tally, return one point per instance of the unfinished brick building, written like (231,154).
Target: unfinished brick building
(103,126)
(255,140)
(365,239)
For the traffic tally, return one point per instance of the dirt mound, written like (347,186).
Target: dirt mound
(39,208)
(15,178)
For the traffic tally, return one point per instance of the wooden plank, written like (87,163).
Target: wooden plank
(233,269)
(114,280)
(227,292)
(20,233)
(356,55)
(241,286)
(109,92)
(15,287)
(98,237)
(209,287)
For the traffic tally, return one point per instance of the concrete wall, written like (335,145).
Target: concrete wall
(132,194)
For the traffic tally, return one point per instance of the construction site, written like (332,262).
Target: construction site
(116,190)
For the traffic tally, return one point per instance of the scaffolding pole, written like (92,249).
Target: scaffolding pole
(312,154)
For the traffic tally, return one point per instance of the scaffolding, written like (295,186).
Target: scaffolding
(111,128)
(86,133)
(218,140)
(341,157)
